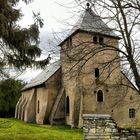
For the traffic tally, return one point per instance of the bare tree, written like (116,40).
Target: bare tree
(124,18)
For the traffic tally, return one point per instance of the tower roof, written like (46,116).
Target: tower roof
(90,22)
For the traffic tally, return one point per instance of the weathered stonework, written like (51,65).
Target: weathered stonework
(103,127)
(37,104)
(69,88)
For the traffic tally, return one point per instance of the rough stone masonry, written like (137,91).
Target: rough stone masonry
(103,127)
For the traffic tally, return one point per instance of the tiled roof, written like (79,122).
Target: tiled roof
(90,22)
(43,76)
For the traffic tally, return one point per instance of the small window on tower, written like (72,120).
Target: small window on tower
(69,42)
(95,40)
(101,40)
(131,113)
(99,96)
(96,72)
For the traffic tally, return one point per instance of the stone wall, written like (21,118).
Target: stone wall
(103,127)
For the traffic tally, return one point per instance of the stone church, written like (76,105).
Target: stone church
(86,80)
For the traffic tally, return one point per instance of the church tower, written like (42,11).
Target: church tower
(90,63)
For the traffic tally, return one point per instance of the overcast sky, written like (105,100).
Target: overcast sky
(58,15)
(54,12)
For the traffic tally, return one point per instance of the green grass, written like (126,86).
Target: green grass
(12,129)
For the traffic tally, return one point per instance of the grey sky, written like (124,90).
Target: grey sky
(57,15)
(54,12)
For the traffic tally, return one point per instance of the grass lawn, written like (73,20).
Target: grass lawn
(12,129)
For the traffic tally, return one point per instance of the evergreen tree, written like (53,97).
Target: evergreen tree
(18,46)
(10,91)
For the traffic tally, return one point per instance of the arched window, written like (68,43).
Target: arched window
(99,96)
(38,106)
(95,40)
(67,105)
(101,40)
(96,72)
